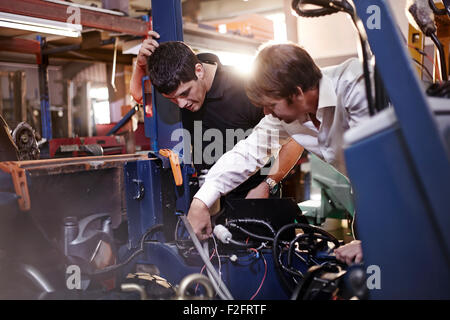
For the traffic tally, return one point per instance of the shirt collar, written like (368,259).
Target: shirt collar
(217,90)
(327,94)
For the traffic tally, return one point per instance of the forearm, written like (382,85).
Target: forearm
(136,83)
(237,165)
(286,160)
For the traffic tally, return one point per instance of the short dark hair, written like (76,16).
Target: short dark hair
(170,64)
(278,70)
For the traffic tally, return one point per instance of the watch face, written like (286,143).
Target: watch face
(271,183)
(274,190)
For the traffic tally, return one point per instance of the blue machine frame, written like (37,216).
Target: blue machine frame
(401,206)
(149,203)
(401,177)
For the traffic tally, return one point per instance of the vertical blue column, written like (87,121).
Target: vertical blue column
(427,150)
(167,21)
(46,117)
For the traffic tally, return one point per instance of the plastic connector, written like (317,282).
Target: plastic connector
(222,233)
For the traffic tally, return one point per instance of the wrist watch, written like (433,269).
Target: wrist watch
(273,186)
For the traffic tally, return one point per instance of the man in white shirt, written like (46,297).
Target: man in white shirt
(313,106)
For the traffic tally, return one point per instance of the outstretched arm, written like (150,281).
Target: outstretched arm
(286,160)
(235,167)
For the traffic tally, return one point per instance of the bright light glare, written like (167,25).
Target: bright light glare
(101,112)
(14,21)
(279,27)
(242,62)
(39,29)
(222,28)
(99,93)
(100,105)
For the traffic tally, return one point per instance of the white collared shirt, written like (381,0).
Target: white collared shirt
(342,105)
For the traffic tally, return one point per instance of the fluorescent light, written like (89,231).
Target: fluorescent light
(15,21)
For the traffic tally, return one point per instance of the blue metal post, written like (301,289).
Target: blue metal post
(167,21)
(427,150)
(46,117)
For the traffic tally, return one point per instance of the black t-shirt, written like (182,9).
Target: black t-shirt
(226,106)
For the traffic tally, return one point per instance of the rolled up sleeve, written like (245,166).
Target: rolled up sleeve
(244,160)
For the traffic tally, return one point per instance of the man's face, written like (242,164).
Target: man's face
(190,95)
(286,111)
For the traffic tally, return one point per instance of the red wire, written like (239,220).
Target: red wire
(265,273)
(429,58)
(203,268)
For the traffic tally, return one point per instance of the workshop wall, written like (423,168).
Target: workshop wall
(333,39)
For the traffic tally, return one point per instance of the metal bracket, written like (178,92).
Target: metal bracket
(19,178)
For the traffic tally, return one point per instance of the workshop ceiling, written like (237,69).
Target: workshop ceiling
(197,11)
(208,9)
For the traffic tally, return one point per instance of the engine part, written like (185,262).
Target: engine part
(133,287)
(309,243)
(24,137)
(89,244)
(190,280)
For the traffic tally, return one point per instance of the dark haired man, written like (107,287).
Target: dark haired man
(211,95)
(301,101)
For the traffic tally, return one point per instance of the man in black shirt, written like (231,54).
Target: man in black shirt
(211,97)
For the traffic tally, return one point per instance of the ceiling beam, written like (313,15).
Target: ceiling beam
(21,45)
(88,18)
(218,10)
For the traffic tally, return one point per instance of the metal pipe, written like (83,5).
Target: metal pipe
(192,279)
(36,277)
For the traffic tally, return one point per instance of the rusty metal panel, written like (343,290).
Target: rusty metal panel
(77,187)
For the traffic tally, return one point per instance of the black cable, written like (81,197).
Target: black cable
(241,244)
(289,270)
(430,76)
(134,255)
(296,239)
(442,57)
(311,13)
(277,258)
(439,90)
(322,234)
(436,10)
(254,221)
(180,243)
(263,238)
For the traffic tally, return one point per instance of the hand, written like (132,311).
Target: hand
(148,47)
(200,219)
(350,253)
(259,192)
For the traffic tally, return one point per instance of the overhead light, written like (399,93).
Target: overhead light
(14,21)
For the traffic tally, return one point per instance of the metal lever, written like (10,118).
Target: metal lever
(175,164)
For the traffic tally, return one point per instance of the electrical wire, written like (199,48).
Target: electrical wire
(134,255)
(210,268)
(233,225)
(218,255)
(265,272)
(216,280)
(203,269)
(423,53)
(254,221)
(442,57)
(430,76)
